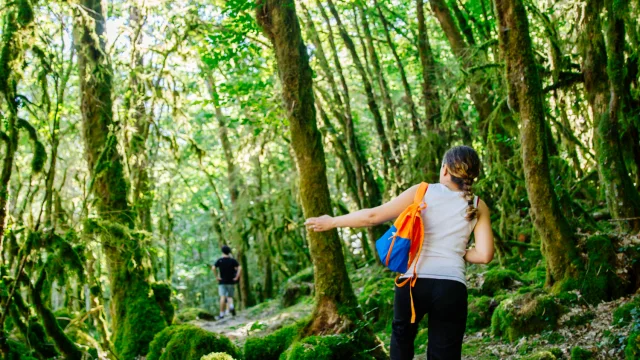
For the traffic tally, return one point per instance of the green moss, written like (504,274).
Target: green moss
(217,356)
(624,313)
(525,314)
(270,347)
(39,153)
(376,300)
(479,312)
(188,342)
(599,281)
(578,353)
(498,280)
(296,287)
(38,340)
(557,353)
(542,355)
(139,317)
(18,351)
(162,294)
(632,350)
(190,314)
(330,347)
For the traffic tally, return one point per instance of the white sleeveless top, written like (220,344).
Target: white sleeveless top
(446,234)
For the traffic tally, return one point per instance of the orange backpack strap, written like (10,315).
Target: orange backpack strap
(422,189)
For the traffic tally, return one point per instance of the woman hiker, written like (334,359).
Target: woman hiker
(452,213)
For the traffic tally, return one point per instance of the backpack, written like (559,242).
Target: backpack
(401,245)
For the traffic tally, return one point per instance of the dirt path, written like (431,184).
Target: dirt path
(258,320)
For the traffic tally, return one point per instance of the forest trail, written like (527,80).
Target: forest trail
(260,319)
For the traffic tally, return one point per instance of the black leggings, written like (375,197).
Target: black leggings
(446,303)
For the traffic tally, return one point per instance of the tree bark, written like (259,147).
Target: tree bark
(387,156)
(430,94)
(336,308)
(525,94)
(136,317)
(603,80)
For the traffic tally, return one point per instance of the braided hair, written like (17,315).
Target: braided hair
(464,166)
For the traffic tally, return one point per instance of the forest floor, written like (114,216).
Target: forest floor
(597,334)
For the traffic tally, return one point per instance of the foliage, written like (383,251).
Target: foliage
(626,312)
(187,342)
(329,347)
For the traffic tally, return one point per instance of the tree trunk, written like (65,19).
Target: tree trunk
(478,91)
(136,317)
(525,95)
(336,308)
(408,97)
(387,156)
(430,94)
(603,80)
(382,83)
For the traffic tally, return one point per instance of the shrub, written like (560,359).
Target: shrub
(525,314)
(497,280)
(188,342)
(578,353)
(270,347)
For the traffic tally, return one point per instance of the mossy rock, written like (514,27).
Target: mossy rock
(632,350)
(188,342)
(578,353)
(217,356)
(479,312)
(623,315)
(296,287)
(525,314)
(541,355)
(599,282)
(376,300)
(329,347)
(270,347)
(499,280)
(190,314)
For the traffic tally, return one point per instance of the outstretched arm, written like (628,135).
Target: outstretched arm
(482,253)
(365,217)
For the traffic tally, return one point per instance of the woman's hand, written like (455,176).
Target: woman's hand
(318,224)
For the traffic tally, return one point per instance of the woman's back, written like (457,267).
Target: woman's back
(446,234)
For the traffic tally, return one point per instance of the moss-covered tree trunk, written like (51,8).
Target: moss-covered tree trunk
(135,316)
(603,68)
(525,97)
(336,308)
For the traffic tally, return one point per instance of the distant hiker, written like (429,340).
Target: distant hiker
(227,271)
(452,213)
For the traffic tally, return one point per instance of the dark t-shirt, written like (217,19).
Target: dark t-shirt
(227,268)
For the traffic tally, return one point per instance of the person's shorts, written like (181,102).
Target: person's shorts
(226,290)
